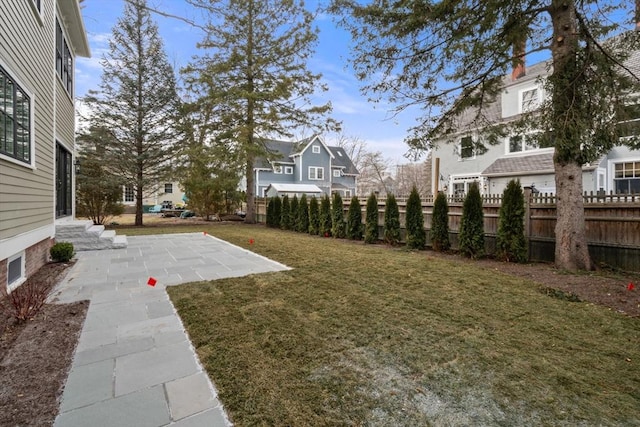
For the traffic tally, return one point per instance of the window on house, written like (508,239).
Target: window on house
(64,60)
(336,173)
(15,271)
(277,169)
(129,194)
(630,123)
(288,170)
(37,4)
(519,143)
(530,100)
(168,187)
(627,178)
(466,147)
(316,173)
(316,149)
(15,119)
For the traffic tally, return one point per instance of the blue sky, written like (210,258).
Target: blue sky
(360,119)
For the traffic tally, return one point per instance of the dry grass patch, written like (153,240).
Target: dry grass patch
(359,334)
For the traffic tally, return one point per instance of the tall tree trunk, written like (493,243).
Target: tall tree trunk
(250,217)
(572,252)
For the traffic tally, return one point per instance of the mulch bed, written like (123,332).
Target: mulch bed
(35,355)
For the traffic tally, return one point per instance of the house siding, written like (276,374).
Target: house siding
(26,50)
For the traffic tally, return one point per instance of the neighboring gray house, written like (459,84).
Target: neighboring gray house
(39,42)
(456,165)
(306,167)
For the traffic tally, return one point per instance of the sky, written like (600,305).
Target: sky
(371,123)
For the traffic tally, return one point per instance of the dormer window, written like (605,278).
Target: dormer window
(530,100)
(315,149)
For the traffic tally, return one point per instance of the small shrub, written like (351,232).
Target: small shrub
(293,213)
(285,218)
(24,302)
(440,224)
(314,216)
(391,221)
(354,219)
(302,218)
(511,244)
(338,226)
(62,251)
(416,236)
(325,216)
(472,224)
(371,221)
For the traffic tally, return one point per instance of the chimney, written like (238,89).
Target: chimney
(518,60)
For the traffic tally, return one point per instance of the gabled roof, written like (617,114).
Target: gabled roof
(342,160)
(521,165)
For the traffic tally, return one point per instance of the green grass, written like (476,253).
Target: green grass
(359,334)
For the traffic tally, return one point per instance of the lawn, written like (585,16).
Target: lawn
(368,335)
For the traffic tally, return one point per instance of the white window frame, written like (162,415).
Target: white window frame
(277,169)
(315,170)
(168,186)
(315,149)
(473,150)
(533,104)
(11,286)
(32,102)
(288,170)
(525,146)
(124,193)
(336,173)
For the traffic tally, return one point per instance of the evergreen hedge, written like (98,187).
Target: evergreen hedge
(285,218)
(471,238)
(511,244)
(354,219)
(371,220)
(293,212)
(440,224)
(337,217)
(314,216)
(270,207)
(302,220)
(325,216)
(416,236)
(391,221)
(277,211)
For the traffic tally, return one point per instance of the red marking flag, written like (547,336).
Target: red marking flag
(151,281)
(630,286)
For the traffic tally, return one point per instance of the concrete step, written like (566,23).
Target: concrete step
(85,236)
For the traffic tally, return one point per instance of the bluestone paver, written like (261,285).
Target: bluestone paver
(134,364)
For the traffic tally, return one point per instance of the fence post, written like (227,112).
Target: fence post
(527,219)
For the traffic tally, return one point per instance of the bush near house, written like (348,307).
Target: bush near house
(440,224)
(511,244)
(285,217)
(325,216)
(302,217)
(371,221)
(391,221)
(471,240)
(277,211)
(314,216)
(416,236)
(62,252)
(338,226)
(293,213)
(354,219)
(271,213)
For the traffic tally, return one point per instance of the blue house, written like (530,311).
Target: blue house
(304,167)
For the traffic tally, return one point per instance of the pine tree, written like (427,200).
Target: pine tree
(302,220)
(285,217)
(137,103)
(391,220)
(354,219)
(325,216)
(338,226)
(416,235)
(371,225)
(440,224)
(314,216)
(511,244)
(471,237)
(293,213)
(254,66)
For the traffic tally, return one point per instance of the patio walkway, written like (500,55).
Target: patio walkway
(134,364)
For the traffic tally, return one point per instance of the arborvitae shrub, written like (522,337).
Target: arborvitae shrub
(270,213)
(471,238)
(511,244)
(293,212)
(277,211)
(314,216)
(391,221)
(61,251)
(440,224)
(325,216)
(302,220)
(354,219)
(338,225)
(285,218)
(371,222)
(416,236)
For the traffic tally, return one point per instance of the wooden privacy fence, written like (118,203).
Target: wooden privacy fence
(612,224)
